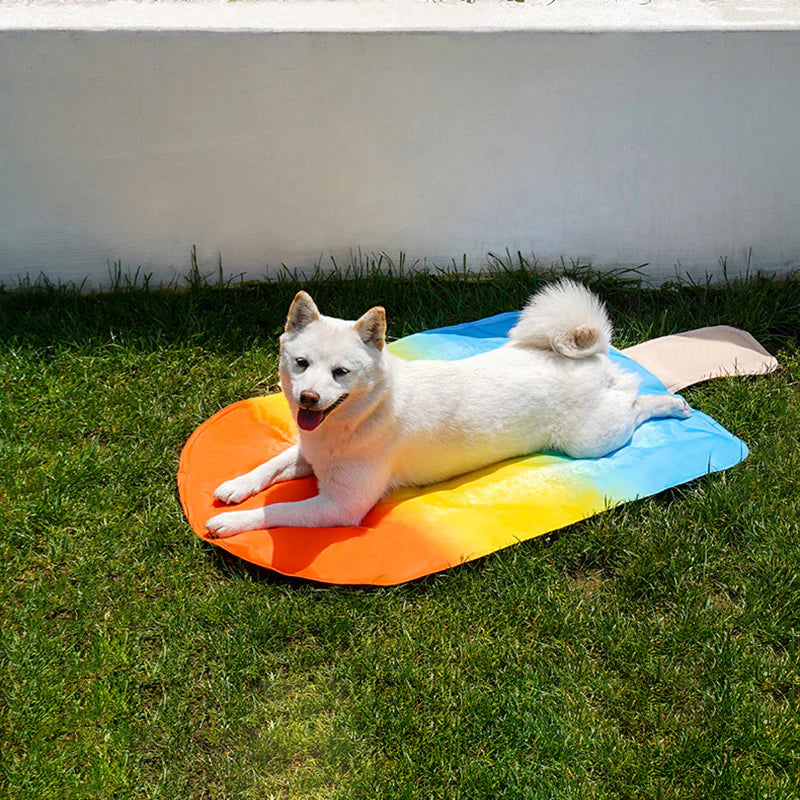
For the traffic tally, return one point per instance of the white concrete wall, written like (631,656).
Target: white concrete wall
(273,144)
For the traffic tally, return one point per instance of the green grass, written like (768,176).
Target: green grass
(650,652)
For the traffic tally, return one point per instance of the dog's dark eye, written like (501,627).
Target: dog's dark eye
(301,362)
(340,372)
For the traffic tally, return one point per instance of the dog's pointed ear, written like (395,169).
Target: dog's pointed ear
(302,312)
(372,327)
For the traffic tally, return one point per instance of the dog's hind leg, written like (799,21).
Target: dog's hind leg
(608,428)
(285,466)
(648,406)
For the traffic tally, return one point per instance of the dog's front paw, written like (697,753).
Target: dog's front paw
(235,490)
(232,522)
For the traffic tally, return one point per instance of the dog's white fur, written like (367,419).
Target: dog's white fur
(397,422)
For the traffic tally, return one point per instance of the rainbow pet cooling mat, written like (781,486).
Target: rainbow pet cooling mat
(415,532)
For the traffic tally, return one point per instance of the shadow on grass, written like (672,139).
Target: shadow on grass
(226,317)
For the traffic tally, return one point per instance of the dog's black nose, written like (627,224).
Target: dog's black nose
(309,398)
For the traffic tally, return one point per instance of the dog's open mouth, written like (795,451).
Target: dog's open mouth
(310,418)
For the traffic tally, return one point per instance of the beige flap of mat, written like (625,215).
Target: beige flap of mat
(686,358)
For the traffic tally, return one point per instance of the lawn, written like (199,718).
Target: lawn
(650,652)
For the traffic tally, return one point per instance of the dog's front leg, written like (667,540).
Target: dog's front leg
(316,512)
(339,502)
(285,466)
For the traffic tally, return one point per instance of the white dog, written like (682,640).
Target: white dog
(370,421)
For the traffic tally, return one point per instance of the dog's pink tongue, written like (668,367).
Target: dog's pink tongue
(307,419)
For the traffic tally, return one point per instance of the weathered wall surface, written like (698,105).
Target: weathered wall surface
(270,146)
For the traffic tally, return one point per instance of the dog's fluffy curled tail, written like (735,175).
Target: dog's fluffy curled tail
(567,318)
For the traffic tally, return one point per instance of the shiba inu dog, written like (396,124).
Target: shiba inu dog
(369,421)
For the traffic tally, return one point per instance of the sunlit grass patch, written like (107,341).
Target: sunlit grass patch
(651,651)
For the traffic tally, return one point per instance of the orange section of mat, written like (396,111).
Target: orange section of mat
(412,533)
